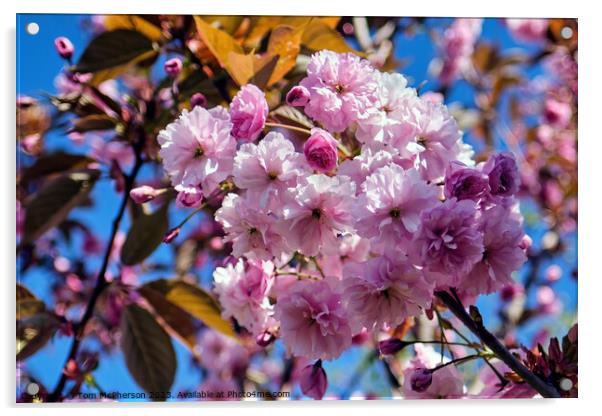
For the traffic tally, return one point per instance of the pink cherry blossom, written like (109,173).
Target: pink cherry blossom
(437,135)
(248,112)
(449,240)
(457,46)
(252,231)
(364,164)
(445,383)
(341,88)
(501,256)
(527,30)
(267,169)
(222,354)
(382,293)
(388,210)
(389,121)
(197,149)
(188,196)
(313,322)
(242,290)
(319,210)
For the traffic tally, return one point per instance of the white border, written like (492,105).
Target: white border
(590,135)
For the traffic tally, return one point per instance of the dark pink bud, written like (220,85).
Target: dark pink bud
(313,381)
(321,151)
(264,339)
(391,346)
(198,99)
(173,67)
(171,234)
(143,194)
(64,47)
(421,379)
(298,96)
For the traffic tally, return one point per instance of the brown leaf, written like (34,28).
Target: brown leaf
(132,22)
(149,353)
(285,41)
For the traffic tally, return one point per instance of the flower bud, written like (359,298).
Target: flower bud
(173,67)
(391,346)
(421,379)
(248,112)
(321,151)
(313,381)
(198,99)
(264,339)
(171,234)
(298,96)
(64,47)
(143,194)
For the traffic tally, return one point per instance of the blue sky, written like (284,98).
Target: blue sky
(37,66)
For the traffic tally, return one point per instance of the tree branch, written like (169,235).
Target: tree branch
(101,282)
(477,328)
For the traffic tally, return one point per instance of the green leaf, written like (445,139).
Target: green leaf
(53,163)
(194,301)
(93,122)
(52,203)
(149,354)
(27,304)
(114,48)
(34,332)
(144,237)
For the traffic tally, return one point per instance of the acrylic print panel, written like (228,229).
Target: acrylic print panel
(292,208)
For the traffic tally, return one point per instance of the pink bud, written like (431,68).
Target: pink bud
(173,67)
(421,379)
(143,194)
(313,381)
(171,234)
(198,99)
(321,151)
(64,47)
(264,339)
(298,96)
(391,346)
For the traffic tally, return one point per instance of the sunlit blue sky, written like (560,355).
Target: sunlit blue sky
(38,65)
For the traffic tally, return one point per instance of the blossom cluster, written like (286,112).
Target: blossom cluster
(357,227)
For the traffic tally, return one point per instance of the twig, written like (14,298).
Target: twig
(477,328)
(101,282)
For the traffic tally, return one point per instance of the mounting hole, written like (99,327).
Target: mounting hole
(33,389)
(32,28)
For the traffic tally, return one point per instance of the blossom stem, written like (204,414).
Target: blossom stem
(101,281)
(288,127)
(318,267)
(477,328)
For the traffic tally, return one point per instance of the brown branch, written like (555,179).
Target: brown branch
(477,328)
(101,282)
